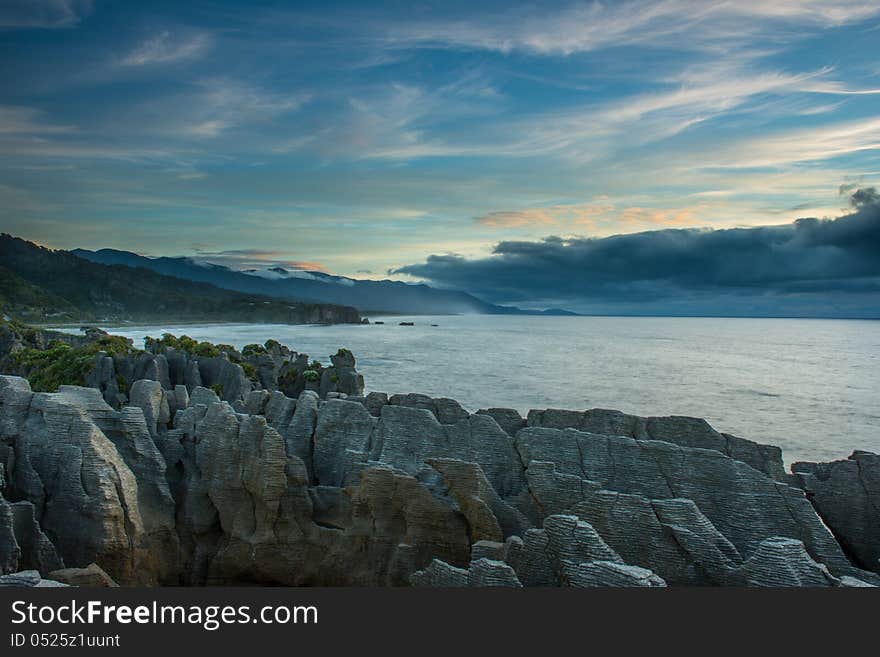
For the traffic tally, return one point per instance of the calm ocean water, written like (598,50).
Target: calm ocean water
(809,386)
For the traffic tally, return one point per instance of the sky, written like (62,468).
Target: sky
(423,141)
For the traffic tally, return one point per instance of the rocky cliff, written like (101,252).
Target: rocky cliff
(111,364)
(306,485)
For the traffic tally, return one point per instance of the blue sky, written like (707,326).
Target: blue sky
(366,137)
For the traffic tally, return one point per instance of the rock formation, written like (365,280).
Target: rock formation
(112,365)
(847,495)
(180,486)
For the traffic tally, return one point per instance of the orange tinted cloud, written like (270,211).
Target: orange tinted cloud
(582,215)
(596,216)
(688,216)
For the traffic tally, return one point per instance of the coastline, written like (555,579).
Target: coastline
(263,466)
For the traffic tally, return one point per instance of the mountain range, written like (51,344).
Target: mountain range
(369,296)
(39,285)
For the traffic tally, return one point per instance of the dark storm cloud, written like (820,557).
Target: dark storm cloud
(808,257)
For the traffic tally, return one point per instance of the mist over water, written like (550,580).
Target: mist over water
(809,386)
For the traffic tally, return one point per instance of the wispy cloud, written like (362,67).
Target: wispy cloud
(553,215)
(46,14)
(599,217)
(375,135)
(585,27)
(225,103)
(167,48)
(798,145)
(28,121)
(402,126)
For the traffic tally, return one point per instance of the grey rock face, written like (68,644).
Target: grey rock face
(374,402)
(103,378)
(85,496)
(743,504)
(447,411)
(486,572)
(440,574)
(612,574)
(192,377)
(300,429)
(546,557)
(10,552)
(248,512)
(27,579)
(153,367)
(481,573)
(150,397)
(411,490)
(565,552)
(671,537)
(224,375)
(341,380)
(342,436)
(684,431)
(37,551)
(178,399)
(406,437)
(507,418)
(783,562)
(490,517)
(204,396)
(847,495)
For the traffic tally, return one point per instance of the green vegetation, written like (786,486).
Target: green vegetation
(218,389)
(287,378)
(316,365)
(344,353)
(187,344)
(251,350)
(249,370)
(169,341)
(61,364)
(311,375)
(206,350)
(42,285)
(23,300)
(272,344)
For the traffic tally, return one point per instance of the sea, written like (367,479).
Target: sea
(810,386)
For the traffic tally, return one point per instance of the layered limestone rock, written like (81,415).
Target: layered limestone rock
(36,551)
(248,512)
(184,487)
(28,579)
(565,552)
(92,576)
(447,411)
(847,495)
(783,562)
(95,480)
(743,504)
(507,418)
(684,431)
(184,364)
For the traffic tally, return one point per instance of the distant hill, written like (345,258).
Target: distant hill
(42,285)
(383,296)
